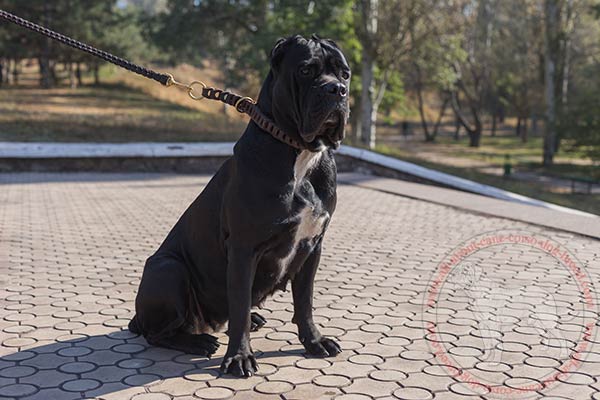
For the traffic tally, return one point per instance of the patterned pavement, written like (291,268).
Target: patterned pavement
(427,301)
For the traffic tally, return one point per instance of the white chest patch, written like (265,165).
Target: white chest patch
(310,226)
(305,161)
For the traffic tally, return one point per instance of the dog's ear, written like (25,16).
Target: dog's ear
(279,50)
(277,53)
(331,43)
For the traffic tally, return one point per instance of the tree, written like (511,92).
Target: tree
(472,66)
(427,71)
(384,30)
(99,23)
(517,81)
(551,33)
(578,122)
(368,111)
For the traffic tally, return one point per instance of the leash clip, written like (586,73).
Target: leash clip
(190,88)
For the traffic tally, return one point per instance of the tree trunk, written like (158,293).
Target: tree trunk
(436,127)
(566,35)
(551,56)
(78,74)
(524,130)
(72,77)
(45,79)
(367,122)
(368,114)
(476,131)
(1,72)
(44,58)
(494,121)
(96,73)
(474,138)
(518,128)
(430,136)
(419,87)
(457,129)
(5,70)
(15,72)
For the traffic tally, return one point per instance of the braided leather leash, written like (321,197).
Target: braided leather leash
(242,104)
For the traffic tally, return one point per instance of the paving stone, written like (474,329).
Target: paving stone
(107,374)
(349,369)
(308,391)
(151,396)
(17,372)
(55,393)
(294,375)
(274,387)
(17,390)
(47,361)
(81,385)
(48,378)
(115,391)
(331,380)
(368,387)
(177,387)
(214,393)
(413,393)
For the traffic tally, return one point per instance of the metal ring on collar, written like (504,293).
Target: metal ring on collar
(239,102)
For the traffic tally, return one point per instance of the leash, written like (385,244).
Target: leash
(244,105)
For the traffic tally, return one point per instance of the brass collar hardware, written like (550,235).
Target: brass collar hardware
(190,88)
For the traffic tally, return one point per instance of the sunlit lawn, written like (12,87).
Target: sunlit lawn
(585,202)
(111,112)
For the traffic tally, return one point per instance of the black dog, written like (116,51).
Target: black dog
(260,221)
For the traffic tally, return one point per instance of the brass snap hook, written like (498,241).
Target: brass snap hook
(190,88)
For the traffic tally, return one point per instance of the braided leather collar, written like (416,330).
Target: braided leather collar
(246,105)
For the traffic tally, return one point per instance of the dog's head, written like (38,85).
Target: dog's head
(308,86)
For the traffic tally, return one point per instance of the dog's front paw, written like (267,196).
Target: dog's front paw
(241,364)
(322,347)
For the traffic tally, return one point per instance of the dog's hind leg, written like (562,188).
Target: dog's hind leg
(201,345)
(257,321)
(163,308)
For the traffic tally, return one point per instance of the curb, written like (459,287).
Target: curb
(23,151)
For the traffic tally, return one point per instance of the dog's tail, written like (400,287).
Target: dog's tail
(133,326)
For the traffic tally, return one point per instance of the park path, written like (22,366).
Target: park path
(509,317)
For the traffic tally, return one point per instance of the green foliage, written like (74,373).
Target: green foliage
(99,23)
(395,95)
(579,123)
(240,34)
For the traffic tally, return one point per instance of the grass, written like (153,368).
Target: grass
(585,202)
(117,111)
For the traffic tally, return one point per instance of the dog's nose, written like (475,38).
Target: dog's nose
(336,88)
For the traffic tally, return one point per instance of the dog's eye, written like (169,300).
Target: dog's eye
(305,70)
(345,75)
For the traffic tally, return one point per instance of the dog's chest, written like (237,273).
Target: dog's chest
(309,226)
(310,218)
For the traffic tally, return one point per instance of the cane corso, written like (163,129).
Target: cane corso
(259,222)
